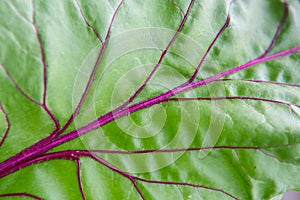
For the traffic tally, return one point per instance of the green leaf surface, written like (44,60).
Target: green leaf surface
(65,65)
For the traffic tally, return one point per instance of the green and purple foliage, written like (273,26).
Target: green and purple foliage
(149,99)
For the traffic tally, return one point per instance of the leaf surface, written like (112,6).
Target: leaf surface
(66,64)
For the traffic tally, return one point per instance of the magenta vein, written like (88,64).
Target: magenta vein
(74,154)
(71,154)
(226,24)
(42,50)
(43,55)
(148,151)
(279,28)
(80,179)
(276,158)
(21,194)
(186,184)
(87,22)
(115,169)
(40,159)
(8,124)
(20,157)
(260,81)
(133,180)
(92,76)
(52,116)
(18,87)
(231,98)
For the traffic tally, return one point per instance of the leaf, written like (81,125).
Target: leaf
(151,99)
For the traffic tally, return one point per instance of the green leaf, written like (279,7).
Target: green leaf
(204,94)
